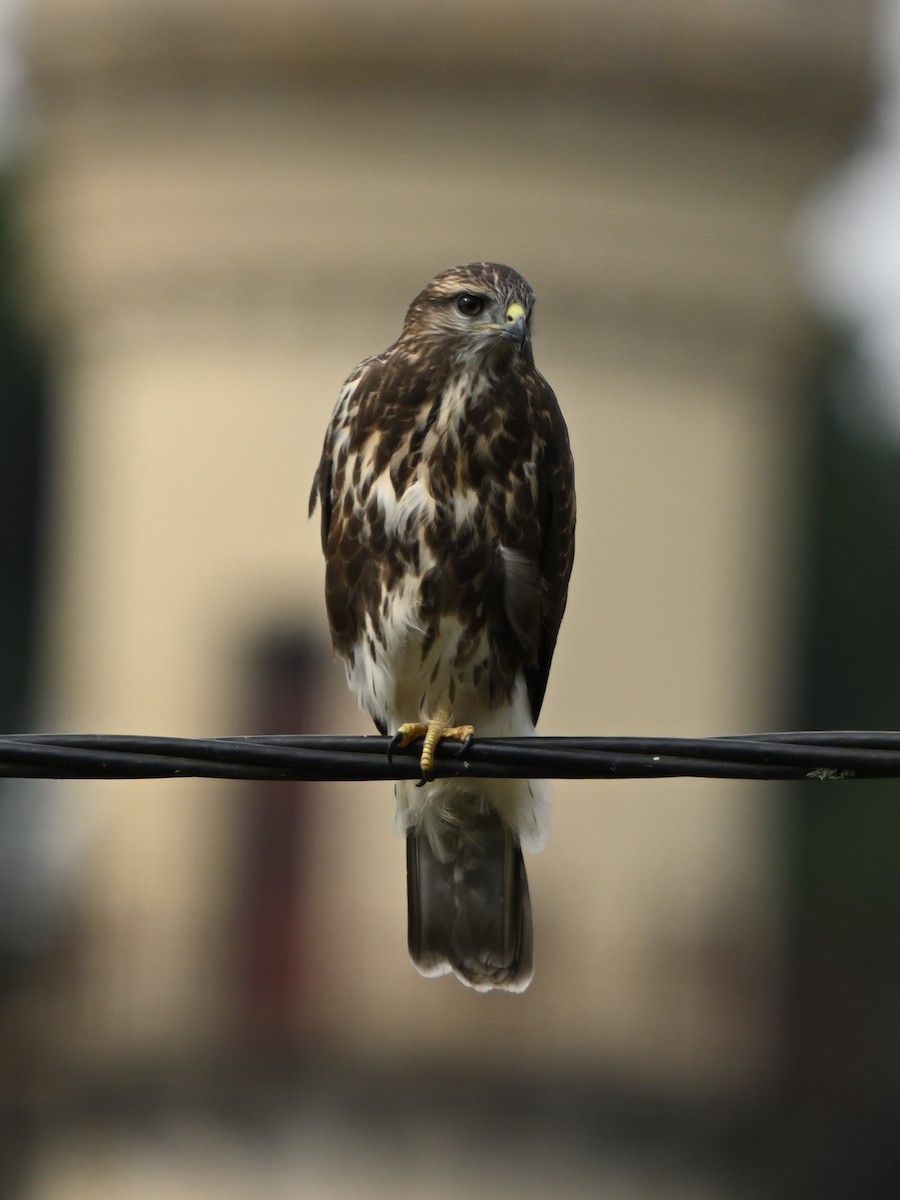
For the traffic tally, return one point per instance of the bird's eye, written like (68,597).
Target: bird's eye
(469,304)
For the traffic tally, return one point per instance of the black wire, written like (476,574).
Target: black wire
(818,754)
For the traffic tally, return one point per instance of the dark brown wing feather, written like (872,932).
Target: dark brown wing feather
(322,491)
(556,503)
(351,571)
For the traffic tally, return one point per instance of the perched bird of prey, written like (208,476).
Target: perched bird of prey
(448,518)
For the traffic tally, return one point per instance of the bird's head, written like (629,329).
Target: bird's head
(481,311)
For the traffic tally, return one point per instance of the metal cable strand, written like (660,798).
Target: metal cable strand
(819,754)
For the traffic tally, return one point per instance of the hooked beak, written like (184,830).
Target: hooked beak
(516,328)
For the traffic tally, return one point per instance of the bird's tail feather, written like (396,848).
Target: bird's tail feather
(469,908)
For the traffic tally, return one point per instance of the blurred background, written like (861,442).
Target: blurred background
(208,214)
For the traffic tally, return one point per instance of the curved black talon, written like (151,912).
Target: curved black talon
(426,778)
(393,745)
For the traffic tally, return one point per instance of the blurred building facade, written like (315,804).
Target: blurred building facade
(228,206)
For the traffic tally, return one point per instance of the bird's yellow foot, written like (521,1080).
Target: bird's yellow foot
(437,730)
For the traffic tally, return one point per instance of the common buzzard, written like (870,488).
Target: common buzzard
(446,487)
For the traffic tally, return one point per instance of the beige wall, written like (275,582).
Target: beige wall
(211,257)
